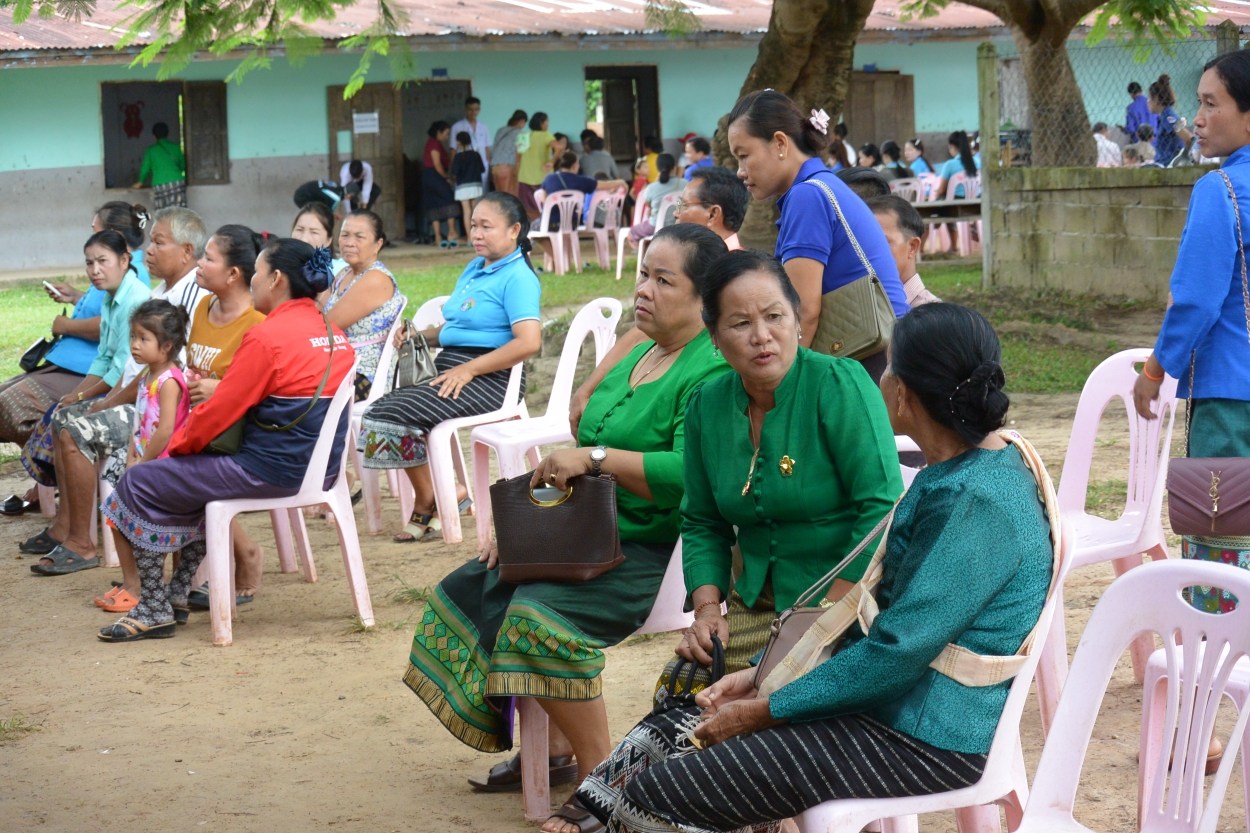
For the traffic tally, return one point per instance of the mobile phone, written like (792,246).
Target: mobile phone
(53,290)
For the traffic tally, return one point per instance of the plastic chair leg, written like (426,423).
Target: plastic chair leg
(481,487)
(371,485)
(392,482)
(407,498)
(621,236)
(535,775)
(442,466)
(107,544)
(283,541)
(300,531)
(980,819)
(901,824)
(220,589)
(1052,668)
(349,544)
(47,494)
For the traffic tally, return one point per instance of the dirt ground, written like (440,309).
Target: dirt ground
(303,724)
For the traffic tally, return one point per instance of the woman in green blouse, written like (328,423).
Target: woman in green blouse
(475,647)
(968,561)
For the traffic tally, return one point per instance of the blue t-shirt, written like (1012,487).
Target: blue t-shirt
(71,352)
(810,228)
(705,162)
(565,181)
(950,168)
(136,260)
(488,300)
(1167,143)
(919,166)
(1137,114)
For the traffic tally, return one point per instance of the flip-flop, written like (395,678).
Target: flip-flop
(126,629)
(123,602)
(432,529)
(197,599)
(359,494)
(444,244)
(506,777)
(40,544)
(573,811)
(465,505)
(107,598)
(64,562)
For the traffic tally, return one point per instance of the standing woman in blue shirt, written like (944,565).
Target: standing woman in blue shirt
(1172,134)
(1137,113)
(1205,328)
(778,151)
(491,323)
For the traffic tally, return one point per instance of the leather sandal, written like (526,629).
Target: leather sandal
(197,599)
(15,505)
(572,811)
(506,777)
(40,544)
(132,630)
(420,528)
(64,561)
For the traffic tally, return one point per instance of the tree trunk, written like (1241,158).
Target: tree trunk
(807,54)
(1061,134)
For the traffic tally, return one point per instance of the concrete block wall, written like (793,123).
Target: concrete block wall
(1107,231)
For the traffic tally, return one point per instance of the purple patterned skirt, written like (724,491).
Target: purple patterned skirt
(159,505)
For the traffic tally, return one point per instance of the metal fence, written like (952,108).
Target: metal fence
(1056,135)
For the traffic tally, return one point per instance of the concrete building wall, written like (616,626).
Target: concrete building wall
(1107,231)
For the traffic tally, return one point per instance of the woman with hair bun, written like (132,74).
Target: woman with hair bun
(967,561)
(158,507)
(827,237)
(1172,134)
(491,322)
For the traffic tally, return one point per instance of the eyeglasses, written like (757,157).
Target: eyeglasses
(682,205)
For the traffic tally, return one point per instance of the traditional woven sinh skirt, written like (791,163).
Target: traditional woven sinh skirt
(481,642)
(439,200)
(26,398)
(170,194)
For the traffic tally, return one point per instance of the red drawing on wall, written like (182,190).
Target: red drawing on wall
(133,123)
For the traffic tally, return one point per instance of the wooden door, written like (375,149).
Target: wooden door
(880,106)
(207,141)
(620,119)
(383,149)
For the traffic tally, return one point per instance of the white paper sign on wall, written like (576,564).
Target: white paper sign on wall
(365,123)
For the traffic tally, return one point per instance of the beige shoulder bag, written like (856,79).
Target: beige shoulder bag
(819,640)
(856,320)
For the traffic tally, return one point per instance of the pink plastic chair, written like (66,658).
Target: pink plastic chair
(1004,780)
(514,440)
(369,484)
(613,203)
(665,211)
(938,239)
(1140,603)
(1139,530)
(666,615)
(569,203)
(972,191)
(905,443)
(908,188)
(641,211)
(218,514)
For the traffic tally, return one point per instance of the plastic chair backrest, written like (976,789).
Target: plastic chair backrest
(569,204)
(1148,440)
(1146,600)
(642,209)
(590,319)
(613,202)
(929,183)
(970,184)
(666,209)
(908,188)
(376,392)
(318,465)
(430,314)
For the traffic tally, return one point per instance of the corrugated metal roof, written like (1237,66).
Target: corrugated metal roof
(483,18)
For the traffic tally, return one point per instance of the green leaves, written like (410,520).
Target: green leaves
(672,17)
(69,9)
(1142,25)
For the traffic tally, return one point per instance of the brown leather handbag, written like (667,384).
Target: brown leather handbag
(1210,496)
(545,534)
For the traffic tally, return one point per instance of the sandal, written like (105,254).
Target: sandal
(182,615)
(413,528)
(107,598)
(506,777)
(197,599)
(15,505)
(126,629)
(465,506)
(40,544)
(123,602)
(358,494)
(572,811)
(64,561)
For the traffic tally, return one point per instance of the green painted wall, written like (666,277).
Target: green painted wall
(945,80)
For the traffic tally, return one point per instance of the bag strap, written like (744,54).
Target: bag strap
(815,590)
(1245,300)
(316,396)
(837,209)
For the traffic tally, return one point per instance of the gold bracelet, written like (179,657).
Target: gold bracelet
(699,609)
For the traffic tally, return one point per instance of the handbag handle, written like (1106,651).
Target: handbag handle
(316,396)
(811,592)
(1245,300)
(837,209)
(717,669)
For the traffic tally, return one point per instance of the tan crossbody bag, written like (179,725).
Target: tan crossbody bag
(798,644)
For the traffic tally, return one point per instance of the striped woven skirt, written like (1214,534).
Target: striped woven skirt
(656,781)
(393,429)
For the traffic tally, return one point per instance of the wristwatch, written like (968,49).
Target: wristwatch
(597,455)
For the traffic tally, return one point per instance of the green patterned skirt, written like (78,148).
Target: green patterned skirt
(1220,428)
(481,642)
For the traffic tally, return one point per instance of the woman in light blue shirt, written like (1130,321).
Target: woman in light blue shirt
(962,161)
(491,324)
(1205,327)
(130,221)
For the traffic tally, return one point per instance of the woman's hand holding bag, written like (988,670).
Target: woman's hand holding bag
(732,707)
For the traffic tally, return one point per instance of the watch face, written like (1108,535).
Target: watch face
(598,454)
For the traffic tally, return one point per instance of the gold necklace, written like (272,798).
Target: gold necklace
(756,456)
(655,366)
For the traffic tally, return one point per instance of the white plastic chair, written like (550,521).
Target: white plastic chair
(613,203)
(666,615)
(905,443)
(1004,780)
(218,514)
(909,188)
(641,211)
(569,204)
(369,485)
(513,441)
(665,211)
(1139,530)
(972,191)
(1142,603)
(938,238)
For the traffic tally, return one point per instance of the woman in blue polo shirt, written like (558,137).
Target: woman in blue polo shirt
(825,242)
(491,323)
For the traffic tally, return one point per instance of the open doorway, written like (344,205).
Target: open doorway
(423,103)
(623,104)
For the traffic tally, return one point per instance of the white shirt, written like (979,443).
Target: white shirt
(366,188)
(481,139)
(186,293)
(917,293)
(1109,155)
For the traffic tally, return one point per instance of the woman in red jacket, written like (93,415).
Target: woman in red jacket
(158,506)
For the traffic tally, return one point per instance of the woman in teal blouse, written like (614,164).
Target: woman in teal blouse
(968,561)
(633,428)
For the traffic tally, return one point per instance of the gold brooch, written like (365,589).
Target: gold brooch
(786,465)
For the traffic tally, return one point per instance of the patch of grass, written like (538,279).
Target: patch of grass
(357,625)
(408,594)
(946,279)
(1106,499)
(27,313)
(1033,366)
(16,727)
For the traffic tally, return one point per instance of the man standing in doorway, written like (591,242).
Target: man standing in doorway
(476,128)
(164,162)
(359,189)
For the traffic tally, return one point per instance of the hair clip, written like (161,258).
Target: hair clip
(820,120)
